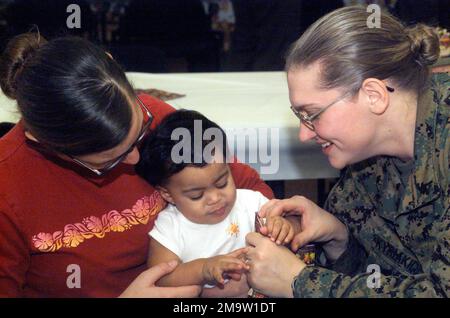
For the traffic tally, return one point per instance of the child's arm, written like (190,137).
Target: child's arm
(197,272)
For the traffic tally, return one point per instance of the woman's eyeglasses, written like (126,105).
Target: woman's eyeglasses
(113,163)
(308,120)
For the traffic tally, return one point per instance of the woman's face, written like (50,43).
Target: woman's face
(346,130)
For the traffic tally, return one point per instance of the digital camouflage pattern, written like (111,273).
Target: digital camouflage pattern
(397,214)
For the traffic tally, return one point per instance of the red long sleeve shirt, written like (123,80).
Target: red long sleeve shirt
(65,233)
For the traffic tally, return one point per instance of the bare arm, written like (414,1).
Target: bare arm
(197,272)
(144,285)
(184,274)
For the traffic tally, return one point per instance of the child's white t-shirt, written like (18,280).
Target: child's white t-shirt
(190,240)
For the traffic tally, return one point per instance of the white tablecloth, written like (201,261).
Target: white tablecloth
(238,102)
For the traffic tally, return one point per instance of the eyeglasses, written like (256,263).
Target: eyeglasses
(110,165)
(308,120)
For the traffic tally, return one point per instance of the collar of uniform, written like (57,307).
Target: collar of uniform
(422,185)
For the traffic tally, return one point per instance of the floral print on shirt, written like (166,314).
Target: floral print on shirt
(92,226)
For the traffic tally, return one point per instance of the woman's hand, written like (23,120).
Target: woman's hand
(272,267)
(317,225)
(144,285)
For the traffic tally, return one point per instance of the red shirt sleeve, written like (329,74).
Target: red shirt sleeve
(245,177)
(14,255)
(157,108)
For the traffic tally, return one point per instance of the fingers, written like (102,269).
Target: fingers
(276,208)
(253,238)
(284,231)
(280,230)
(301,239)
(274,225)
(237,253)
(229,266)
(219,272)
(267,207)
(233,265)
(218,275)
(295,205)
(153,274)
(290,235)
(241,255)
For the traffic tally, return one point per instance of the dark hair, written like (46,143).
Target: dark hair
(72,96)
(349,51)
(156,164)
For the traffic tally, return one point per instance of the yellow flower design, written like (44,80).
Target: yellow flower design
(233,229)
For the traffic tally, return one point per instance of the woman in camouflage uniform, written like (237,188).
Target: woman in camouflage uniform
(366,96)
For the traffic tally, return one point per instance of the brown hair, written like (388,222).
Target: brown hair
(349,51)
(16,55)
(73,97)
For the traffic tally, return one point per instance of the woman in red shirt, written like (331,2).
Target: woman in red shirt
(74,216)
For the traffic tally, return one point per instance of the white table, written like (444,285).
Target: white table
(240,103)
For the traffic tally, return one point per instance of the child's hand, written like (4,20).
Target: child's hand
(215,267)
(279,229)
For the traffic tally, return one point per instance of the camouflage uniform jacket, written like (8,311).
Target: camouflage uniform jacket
(397,220)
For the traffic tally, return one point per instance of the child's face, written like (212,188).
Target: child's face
(204,195)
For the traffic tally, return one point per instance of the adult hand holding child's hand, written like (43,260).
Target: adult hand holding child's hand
(317,225)
(279,229)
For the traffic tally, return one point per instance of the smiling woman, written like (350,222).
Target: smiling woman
(375,66)
(367,97)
